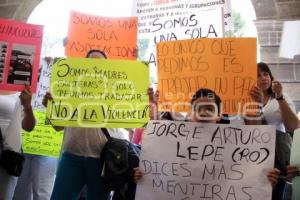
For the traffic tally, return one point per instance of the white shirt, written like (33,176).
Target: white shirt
(272,112)
(11,121)
(88,142)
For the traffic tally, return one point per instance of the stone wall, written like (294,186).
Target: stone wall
(270,15)
(17,9)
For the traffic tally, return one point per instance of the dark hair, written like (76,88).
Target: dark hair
(261,66)
(95,51)
(166,116)
(204,92)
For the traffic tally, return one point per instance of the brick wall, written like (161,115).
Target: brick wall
(270,15)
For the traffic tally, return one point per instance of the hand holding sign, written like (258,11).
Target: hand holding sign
(25,98)
(46,98)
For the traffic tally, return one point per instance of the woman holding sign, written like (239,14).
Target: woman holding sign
(11,123)
(79,165)
(278,110)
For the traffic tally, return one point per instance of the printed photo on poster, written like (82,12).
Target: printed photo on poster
(3,51)
(21,64)
(20,49)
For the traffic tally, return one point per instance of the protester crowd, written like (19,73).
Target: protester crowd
(78,174)
(78,168)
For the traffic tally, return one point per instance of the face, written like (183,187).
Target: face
(205,110)
(263,80)
(96,55)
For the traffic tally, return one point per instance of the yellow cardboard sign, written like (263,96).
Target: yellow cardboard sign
(43,140)
(224,65)
(99,93)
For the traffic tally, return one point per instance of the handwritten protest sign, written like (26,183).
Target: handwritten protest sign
(117,37)
(171,26)
(20,47)
(43,84)
(206,161)
(43,140)
(148,10)
(226,66)
(99,93)
(178,20)
(295,160)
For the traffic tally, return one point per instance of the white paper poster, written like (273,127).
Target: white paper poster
(171,20)
(184,160)
(43,83)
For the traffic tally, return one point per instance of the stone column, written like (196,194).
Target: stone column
(17,9)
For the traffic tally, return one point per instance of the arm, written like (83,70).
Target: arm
(256,117)
(273,176)
(28,122)
(289,118)
(153,98)
(292,172)
(46,98)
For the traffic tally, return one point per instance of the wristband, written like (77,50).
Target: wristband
(280,98)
